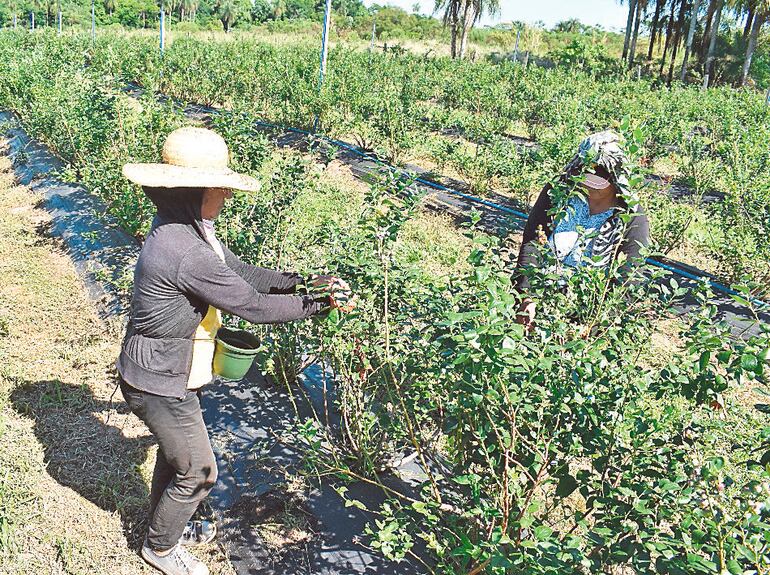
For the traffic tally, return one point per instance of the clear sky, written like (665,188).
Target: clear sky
(608,13)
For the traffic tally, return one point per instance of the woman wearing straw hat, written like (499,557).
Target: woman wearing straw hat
(184,276)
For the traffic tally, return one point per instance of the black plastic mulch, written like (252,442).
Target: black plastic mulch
(249,421)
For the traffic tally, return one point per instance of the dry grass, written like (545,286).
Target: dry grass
(431,239)
(74,467)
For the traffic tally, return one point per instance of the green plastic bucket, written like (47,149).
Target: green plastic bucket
(235,352)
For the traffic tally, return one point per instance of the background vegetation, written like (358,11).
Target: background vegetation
(725,36)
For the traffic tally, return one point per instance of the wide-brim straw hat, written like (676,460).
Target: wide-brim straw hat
(192,158)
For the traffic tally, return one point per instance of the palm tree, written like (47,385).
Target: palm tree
(712,5)
(629,27)
(451,19)
(677,39)
(49,10)
(641,8)
(228,12)
(713,41)
(279,9)
(192,8)
(659,5)
(760,15)
(690,36)
(750,8)
(463,14)
(109,6)
(185,7)
(669,32)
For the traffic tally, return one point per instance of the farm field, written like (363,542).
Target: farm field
(620,437)
(491,126)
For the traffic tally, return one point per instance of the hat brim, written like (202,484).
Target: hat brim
(170,176)
(594,182)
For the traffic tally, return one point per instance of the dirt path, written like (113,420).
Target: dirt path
(74,469)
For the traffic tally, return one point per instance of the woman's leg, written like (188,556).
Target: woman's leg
(177,424)
(162,475)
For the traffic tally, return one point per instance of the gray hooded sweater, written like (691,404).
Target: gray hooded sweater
(177,276)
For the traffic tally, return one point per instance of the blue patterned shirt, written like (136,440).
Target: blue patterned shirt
(572,238)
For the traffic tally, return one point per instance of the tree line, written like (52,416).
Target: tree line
(713,41)
(692,28)
(145,13)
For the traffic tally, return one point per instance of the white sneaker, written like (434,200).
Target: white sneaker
(178,562)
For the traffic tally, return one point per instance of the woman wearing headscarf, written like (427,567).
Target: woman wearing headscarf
(589,217)
(184,278)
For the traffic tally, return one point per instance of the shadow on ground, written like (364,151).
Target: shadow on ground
(88,453)
(251,423)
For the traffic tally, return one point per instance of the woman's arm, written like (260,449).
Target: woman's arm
(637,237)
(261,279)
(538,218)
(201,273)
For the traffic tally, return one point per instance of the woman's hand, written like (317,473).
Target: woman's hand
(526,315)
(340,294)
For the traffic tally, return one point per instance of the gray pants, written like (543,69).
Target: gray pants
(185,469)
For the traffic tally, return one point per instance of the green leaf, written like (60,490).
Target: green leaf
(698,561)
(717,463)
(749,362)
(704,361)
(741,300)
(666,485)
(355,503)
(420,507)
(567,485)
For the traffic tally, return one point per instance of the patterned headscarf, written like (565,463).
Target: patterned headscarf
(604,149)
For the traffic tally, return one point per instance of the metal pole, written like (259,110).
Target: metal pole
(162,27)
(516,47)
(374,34)
(93,22)
(767,97)
(324,53)
(325,43)
(32,17)
(14,21)
(59,16)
